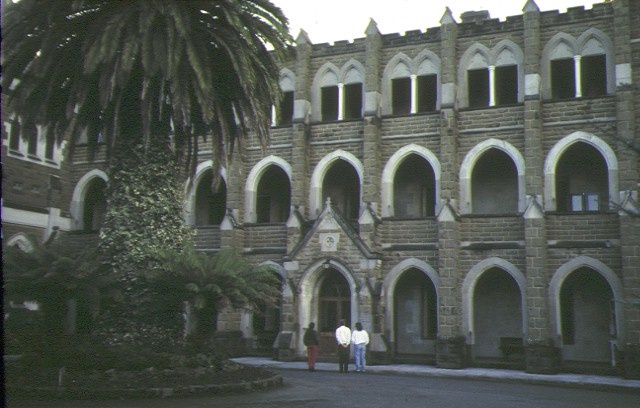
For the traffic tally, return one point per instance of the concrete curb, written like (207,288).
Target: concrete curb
(592,382)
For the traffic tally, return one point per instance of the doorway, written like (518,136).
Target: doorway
(334,304)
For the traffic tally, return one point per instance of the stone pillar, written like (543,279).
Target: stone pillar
(629,176)
(451,349)
(300,129)
(371,155)
(541,356)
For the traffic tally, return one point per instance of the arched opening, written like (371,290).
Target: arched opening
(416,314)
(494,184)
(497,312)
(342,184)
(210,205)
(95,205)
(414,188)
(334,304)
(582,180)
(274,196)
(266,323)
(587,318)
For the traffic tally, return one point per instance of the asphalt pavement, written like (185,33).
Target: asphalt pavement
(486,374)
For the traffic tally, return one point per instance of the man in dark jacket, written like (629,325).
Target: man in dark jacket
(310,340)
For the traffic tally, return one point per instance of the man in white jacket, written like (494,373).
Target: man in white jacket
(343,337)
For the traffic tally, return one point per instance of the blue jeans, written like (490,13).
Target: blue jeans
(359,351)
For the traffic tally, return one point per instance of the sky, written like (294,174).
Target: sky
(335,20)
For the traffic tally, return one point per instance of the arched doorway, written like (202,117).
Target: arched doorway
(582,180)
(586,317)
(416,314)
(95,205)
(334,304)
(414,188)
(342,185)
(497,312)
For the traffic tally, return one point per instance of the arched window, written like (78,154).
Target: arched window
(285,110)
(582,180)
(338,94)
(273,196)
(210,205)
(574,68)
(341,183)
(494,184)
(414,188)
(491,77)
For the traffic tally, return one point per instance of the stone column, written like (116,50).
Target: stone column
(300,131)
(629,176)
(541,356)
(451,348)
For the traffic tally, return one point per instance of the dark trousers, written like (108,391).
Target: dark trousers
(343,358)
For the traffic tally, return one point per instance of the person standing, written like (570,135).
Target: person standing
(360,339)
(310,340)
(343,337)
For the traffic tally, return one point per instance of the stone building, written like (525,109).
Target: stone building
(465,192)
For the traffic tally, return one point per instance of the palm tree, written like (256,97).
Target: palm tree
(205,283)
(146,77)
(143,72)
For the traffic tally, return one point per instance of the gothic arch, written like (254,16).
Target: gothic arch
(287,80)
(560,147)
(469,162)
(191,188)
(390,282)
(595,42)
(391,167)
(77,208)
(506,52)
(251,187)
(425,63)
(308,286)
(564,271)
(476,56)
(315,193)
(352,72)
(469,284)
(327,75)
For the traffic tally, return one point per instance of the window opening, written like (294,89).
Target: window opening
(427,93)
(563,85)
(329,104)
(273,196)
(478,87)
(286,109)
(353,101)
(32,139)
(594,75)
(401,95)
(506,85)
(14,136)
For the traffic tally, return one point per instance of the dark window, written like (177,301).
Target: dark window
(401,96)
(353,101)
(49,147)
(478,86)
(594,75)
(286,109)
(14,136)
(506,85)
(329,104)
(427,93)
(273,196)
(32,139)
(582,179)
(563,84)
